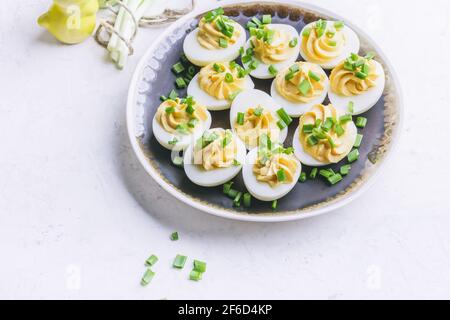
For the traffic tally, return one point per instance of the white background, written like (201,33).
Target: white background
(79,216)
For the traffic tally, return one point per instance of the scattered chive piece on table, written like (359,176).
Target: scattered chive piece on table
(232,194)
(199,266)
(334,179)
(174,236)
(293,42)
(227,187)
(195,275)
(147,277)
(237,200)
(361,122)
(152,260)
(274,204)
(178,68)
(256,21)
(247,200)
(345,170)
(326,173)
(303,177)
(358,140)
(181,84)
(353,156)
(163,98)
(179,261)
(173,94)
(267,19)
(272,70)
(313,173)
(284,116)
(178,161)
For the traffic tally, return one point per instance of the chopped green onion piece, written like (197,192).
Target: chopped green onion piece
(326,173)
(251,25)
(256,21)
(179,261)
(361,75)
(236,163)
(229,78)
(237,199)
(183,58)
(223,43)
(345,170)
(151,260)
(246,59)
(232,194)
(178,68)
(312,140)
(234,95)
(319,133)
(272,70)
(306,32)
(351,107)
(192,71)
(318,123)
(192,123)
(247,200)
(293,42)
(281,124)
(182,128)
(178,161)
(304,87)
(170,110)
(240,118)
(173,95)
(335,179)
(267,19)
(274,204)
(358,140)
(181,84)
(339,25)
(313,173)
(331,142)
(241,51)
(195,275)
(361,122)
(227,187)
(258,112)
(353,156)
(370,56)
(147,277)
(284,116)
(173,142)
(332,43)
(294,68)
(199,266)
(163,98)
(314,76)
(289,76)
(253,65)
(281,175)
(303,177)
(174,236)
(345,118)
(328,124)
(217,67)
(308,128)
(339,130)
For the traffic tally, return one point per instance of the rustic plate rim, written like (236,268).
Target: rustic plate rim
(223,213)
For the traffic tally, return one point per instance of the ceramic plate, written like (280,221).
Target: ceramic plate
(153,78)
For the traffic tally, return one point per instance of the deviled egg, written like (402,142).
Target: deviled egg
(178,122)
(324,136)
(270,173)
(300,87)
(357,81)
(217,84)
(215,158)
(271,48)
(254,113)
(217,38)
(327,43)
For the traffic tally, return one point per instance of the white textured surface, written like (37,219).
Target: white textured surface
(76,205)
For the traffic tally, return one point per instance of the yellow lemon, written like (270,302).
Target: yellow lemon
(70,21)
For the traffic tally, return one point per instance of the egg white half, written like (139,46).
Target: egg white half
(297,109)
(352,45)
(201,56)
(262,71)
(305,157)
(217,177)
(261,190)
(210,102)
(251,99)
(163,137)
(362,102)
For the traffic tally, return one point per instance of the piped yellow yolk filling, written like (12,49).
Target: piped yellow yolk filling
(217,149)
(303,85)
(347,82)
(177,117)
(322,42)
(219,80)
(324,136)
(279,169)
(257,122)
(209,33)
(274,49)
